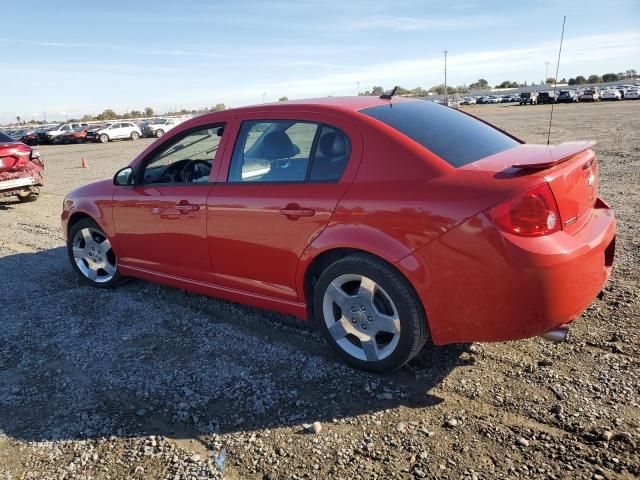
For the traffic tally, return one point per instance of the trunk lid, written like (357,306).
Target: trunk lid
(570,169)
(13,156)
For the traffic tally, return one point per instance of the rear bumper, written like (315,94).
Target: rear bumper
(478,284)
(17,183)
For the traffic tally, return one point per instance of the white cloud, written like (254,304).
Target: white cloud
(197,84)
(399,23)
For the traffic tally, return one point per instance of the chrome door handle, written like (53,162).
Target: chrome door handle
(188,207)
(297,212)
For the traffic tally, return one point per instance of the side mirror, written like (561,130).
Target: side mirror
(123,177)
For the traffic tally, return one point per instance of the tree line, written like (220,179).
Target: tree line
(482,84)
(109,114)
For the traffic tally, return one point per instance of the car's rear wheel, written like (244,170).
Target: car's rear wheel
(369,313)
(135,136)
(103,138)
(91,254)
(30,195)
(158,133)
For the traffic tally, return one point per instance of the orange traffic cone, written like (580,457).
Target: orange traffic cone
(84,163)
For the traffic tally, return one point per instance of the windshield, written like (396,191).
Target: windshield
(455,137)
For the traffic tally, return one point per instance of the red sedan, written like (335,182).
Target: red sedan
(387,221)
(21,170)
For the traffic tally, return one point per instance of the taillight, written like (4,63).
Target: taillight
(8,162)
(531,214)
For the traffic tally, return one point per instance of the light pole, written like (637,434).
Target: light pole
(446,97)
(546,71)
(264,97)
(358,83)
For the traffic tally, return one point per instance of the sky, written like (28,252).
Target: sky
(65,59)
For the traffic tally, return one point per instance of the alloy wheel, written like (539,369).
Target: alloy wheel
(361,317)
(93,255)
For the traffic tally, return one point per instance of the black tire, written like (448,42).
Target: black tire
(414,331)
(32,196)
(135,135)
(103,138)
(158,133)
(77,227)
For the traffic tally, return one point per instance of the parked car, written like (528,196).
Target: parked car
(61,129)
(308,217)
(114,131)
(528,98)
(28,136)
(567,96)
(590,95)
(159,126)
(547,97)
(468,101)
(632,94)
(42,134)
(76,135)
(611,94)
(20,170)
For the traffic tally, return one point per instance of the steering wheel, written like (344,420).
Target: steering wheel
(192,168)
(172,174)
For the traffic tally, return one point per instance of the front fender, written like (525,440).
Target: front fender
(93,200)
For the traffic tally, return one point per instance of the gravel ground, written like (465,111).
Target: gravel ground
(150,382)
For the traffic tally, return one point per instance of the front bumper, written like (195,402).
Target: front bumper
(479,284)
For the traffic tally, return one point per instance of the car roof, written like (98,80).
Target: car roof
(326,103)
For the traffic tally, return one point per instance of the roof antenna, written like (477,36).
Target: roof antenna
(389,96)
(555,82)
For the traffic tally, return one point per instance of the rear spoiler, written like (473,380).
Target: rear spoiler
(539,157)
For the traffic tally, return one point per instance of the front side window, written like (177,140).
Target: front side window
(288,151)
(187,159)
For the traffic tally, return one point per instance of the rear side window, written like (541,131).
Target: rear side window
(456,138)
(288,151)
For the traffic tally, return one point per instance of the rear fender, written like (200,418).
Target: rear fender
(358,237)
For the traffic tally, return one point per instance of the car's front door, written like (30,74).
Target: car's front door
(160,221)
(278,187)
(114,131)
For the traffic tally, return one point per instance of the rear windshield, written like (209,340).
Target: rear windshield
(453,136)
(5,138)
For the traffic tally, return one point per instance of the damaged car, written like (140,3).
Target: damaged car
(20,170)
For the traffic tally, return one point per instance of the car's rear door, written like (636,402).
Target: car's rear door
(160,221)
(276,192)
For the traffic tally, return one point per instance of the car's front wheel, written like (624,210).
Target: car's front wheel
(91,254)
(159,133)
(104,138)
(369,313)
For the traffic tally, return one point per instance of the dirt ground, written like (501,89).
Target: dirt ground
(149,382)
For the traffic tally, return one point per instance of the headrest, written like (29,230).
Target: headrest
(333,145)
(277,145)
